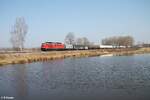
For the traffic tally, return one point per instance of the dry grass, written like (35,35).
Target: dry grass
(15,58)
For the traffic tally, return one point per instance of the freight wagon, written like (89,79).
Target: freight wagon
(110,47)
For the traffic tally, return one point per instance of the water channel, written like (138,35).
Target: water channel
(89,78)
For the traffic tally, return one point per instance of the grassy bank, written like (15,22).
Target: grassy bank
(17,58)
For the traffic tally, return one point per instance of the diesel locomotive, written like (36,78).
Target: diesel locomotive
(52,46)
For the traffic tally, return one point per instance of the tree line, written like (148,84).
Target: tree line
(127,41)
(20,29)
(71,40)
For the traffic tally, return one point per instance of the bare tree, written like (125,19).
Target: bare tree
(108,41)
(85,41)
(82,41)
(18,33)
(128,41)
(79,41)
(70,38)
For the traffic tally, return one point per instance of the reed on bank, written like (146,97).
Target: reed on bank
(20,58)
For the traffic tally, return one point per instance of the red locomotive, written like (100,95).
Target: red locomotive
(52,46)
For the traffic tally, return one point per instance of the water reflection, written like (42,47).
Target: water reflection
(91,78)
(20,80)
(13,81)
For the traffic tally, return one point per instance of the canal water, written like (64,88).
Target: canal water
(90,78)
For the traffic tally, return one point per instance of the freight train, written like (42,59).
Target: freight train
(52,46)
(60,46)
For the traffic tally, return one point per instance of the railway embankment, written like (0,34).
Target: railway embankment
(28,57)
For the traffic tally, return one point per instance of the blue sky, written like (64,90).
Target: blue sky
(51,20)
